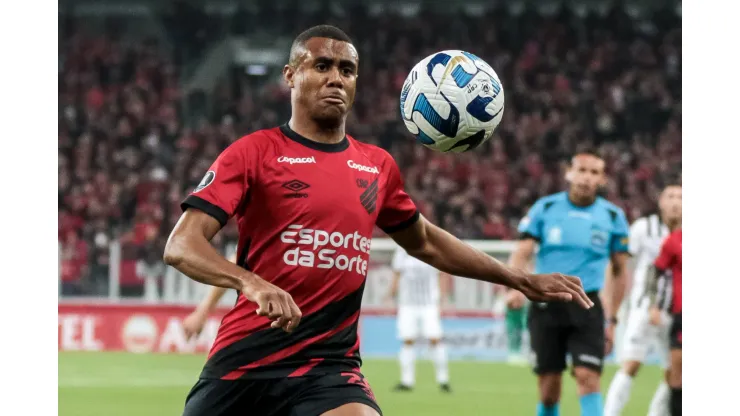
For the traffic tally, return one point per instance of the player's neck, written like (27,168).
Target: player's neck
(673,225)
(316,132)
(581,201)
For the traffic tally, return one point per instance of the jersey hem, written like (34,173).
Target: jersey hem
(201,204)
(281,372)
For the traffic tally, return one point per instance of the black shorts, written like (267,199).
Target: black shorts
(557,329)
(297,396)
(675,334)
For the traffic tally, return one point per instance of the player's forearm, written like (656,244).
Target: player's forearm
(521,257)
(393,289)
(445,281)
(195,257)
(652,282)
(616,288)
(450,255)
(208,304)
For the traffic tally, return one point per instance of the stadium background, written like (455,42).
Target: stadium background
(150,92)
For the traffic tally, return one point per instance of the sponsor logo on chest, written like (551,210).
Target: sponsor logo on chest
(295,160)
(363,168)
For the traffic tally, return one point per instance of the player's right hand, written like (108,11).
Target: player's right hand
(193,324)
(515,299)
(274,303)
(551,287)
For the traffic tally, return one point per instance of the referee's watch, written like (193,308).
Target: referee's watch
(612,321)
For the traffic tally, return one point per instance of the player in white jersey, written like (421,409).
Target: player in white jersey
(646,236)
(419,289)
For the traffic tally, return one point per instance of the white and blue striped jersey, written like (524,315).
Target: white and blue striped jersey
(419,282)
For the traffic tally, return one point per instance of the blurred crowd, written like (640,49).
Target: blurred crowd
(127,156)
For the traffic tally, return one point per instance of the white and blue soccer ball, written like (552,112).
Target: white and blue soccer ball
(452,101)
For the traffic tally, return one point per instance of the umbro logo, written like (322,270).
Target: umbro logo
(296,186)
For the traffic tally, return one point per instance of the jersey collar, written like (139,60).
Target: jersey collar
(322,147)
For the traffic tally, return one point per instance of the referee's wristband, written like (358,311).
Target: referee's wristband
(612,321)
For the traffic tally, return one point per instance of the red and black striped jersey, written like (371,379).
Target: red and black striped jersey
(671,259)
(305,212)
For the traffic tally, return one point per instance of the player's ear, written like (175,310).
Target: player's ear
(569,175)
(289,75)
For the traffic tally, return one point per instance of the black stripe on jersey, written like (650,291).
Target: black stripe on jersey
(613,214)
(263,343)
(241,261)
(335,352)
(525,236)
(403,224)
(201,204)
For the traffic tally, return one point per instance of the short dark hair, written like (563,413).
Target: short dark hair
(320,31)
(588,152)
(673,181)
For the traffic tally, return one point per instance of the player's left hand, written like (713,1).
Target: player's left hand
(608,338)
(193,324)
(551,287)
(655,316)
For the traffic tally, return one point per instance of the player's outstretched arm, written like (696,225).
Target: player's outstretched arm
(189,250)
(654,280)
(442,250)
(393,287)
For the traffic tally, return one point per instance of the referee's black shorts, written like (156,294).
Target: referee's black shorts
(557,329)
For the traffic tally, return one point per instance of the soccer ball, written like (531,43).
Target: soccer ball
(452,101)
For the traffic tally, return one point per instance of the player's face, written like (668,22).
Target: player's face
(325,79)
(670,203)
(586,175)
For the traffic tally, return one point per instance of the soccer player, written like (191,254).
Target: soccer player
(646,236)
(581,233)
(306,198)
(670,260)
(419,288)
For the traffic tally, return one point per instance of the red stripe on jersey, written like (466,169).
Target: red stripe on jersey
(352,351)
(293,349)
(313,362)
(243,320)
(234,375)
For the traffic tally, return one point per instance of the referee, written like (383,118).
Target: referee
(578,233)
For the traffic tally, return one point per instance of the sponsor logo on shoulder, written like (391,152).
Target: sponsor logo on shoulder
(294,160)
(362,168)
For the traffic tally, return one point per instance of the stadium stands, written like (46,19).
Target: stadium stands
(128,153)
